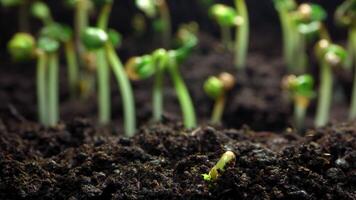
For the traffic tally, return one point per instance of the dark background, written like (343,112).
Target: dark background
(262,15)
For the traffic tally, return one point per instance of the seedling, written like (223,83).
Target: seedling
(227,158)
(96,39)
(227,18)
(346,15)
(23,46)
(301,91)
(216,88)
(329,55)
(153,8)
(156,64)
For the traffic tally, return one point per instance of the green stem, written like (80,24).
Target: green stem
(53,90)
(81,22)
(299,116)
(166,19)
(103,73)
(72,67)
(104,17)
(351,49)
(226,37)
(242,35)
(157,97)
(126,91)
(41,89)
(353,55)
(287,38)
(302,58)
(325,95)
(218,110)
(183,94)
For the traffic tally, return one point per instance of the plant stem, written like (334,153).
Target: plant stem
(300,109)
(81,22)
(218,110)
(103,87)
(351,49)
(157,96)
(325,95)
(53,97)
(183,94)
(288,43)
(126,91)
(166,19)
(242,35)
(41,89)
(226,37)
(103,20)
(353,55)
(72,67)
(302,58)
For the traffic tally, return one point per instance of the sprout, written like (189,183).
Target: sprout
(155,64)
(227,158)
(96,39)
(329,55)
(301,91)
(152,8)
(41,11)
(22,46)
(216,88)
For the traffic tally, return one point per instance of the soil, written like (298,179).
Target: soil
(79,160)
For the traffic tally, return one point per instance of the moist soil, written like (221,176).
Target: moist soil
(80,160)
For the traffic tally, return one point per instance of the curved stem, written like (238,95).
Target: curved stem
(325,95)
(353,55)
(103,20)
(53,90)
(166,19)
(242,35)
(218,110)
(157,96)
(104,102)
(42,89)
(72,67)
(183,94)
(126,91)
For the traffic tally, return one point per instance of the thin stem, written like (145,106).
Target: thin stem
(157,96)
(166,19)
(53,97)
(126,91)
(242,35)
(351,49)
(353,55)
(183,94)
(103,20)
(226,38)
(42,89)
(81,22)
(288,43)
(325,95)
(218,110)
(300,108)
(103,73)
(302,58)
(24,25)
(72,67)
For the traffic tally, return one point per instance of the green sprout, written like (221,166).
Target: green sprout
(96,39)
(216,88)
(156,64)
(153,8)
(227,18)
(329,55)
(22,12)
(23,46)
(301,91)
(227,158)
(41,11)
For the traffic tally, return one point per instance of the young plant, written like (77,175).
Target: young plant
(23,22)
(329,55)
(216,88)
(242,34)
(227,158)
(301,91)
(153,8)
(23,46)
(96,39)
(156,64)
(345,15)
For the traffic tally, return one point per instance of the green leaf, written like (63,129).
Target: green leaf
(304,85)
(57,31)
(214,87)
(147,6)
(22,46)
(11,3)
(40,10)
(114,37)
(94,38)
(224,15)
(48,45)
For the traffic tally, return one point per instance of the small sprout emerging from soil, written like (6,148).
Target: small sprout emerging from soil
(216,88)
(329,55)
(227,158)
(301,91)
(156,64)
(96,39)
(153,8)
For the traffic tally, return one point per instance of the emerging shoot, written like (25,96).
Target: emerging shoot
(216,88)
(226,159)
